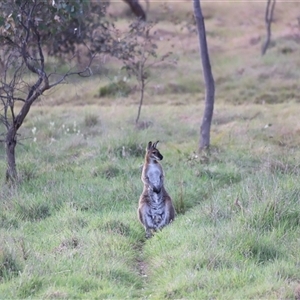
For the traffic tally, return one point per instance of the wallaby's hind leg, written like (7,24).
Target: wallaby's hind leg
(146,219)
(168,213)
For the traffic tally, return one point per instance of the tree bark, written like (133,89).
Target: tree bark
(10,145)
(268,20)
(137,9)
(204,142)
(141,100)
(11,140)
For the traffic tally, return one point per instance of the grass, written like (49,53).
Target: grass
(69,229)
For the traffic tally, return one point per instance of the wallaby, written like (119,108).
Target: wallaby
(155,205)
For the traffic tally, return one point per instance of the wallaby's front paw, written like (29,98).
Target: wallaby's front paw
(156,190)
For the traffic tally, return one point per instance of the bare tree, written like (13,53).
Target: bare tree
(204,142)
(24,76)
(268,20)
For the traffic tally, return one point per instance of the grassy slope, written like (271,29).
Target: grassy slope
(70,230)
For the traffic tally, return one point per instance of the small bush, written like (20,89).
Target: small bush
(56,295)
(30,288)
(259,249)
(280,214)
(129,149)
(34,211)
(90,120)
(120,88)
(220,176)
(28,172)
(7,221)
(67,244)
(117,227)
(9,264)
(179,204)
(107,171)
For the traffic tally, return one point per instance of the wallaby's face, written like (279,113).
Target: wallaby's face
(152,152)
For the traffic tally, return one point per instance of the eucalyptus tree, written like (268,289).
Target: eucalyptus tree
(204,142)
(29,30)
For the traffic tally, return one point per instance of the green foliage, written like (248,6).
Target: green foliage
(61,24)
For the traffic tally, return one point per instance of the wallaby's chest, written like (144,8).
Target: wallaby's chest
(156,203)
(156,198)
(154,172)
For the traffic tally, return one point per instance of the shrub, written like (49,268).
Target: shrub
(33,211)
(90,120)
(120,88)
(30,287)
(9,264)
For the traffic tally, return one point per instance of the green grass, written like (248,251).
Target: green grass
(69,228)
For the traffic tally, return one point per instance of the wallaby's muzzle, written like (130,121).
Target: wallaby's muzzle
(159,156)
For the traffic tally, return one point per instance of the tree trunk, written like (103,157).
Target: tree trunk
(11,141)
(137,9)
(204,142)
(10,145)
(268,20)
(141,100)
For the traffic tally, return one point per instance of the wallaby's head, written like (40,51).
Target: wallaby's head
(152,152)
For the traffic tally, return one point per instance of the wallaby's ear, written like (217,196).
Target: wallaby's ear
(155,144)
(149,146)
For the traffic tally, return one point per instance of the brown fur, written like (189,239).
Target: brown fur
(156,208)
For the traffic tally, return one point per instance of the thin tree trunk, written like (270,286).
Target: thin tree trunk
(10,145)
(141,100)
(11,141)
(204,142)
(268,19)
